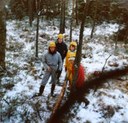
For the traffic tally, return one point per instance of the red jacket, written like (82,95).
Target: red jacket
(80,77)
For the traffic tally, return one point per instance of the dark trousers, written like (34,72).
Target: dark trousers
(58,74)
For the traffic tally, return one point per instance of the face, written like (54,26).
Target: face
(72,48)
(60,40)
(52,49)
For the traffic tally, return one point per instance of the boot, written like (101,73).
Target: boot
(52,89)
(41,90)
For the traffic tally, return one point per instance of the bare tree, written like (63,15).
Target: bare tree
(38,20)
(79,47)
(76,12)
(2,34)
(62,18)
(94,19)
(30,11)
(71,24)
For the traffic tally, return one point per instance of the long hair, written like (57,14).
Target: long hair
(52,52)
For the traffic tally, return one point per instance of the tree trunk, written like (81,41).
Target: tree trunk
(37,29)
(59,100)
(79,47)
(37,34)
(30,11)
(71,20)
(93,28)
(116,40)
(94,19)
(37,5)
(2,36)
(76,10)
(64,15)
(62,18)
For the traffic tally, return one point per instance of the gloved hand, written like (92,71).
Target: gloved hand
(58,71)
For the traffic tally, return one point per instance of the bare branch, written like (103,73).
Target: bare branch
(6,102)
(105,63)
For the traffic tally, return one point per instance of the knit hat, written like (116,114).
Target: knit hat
(73,43)
(61,36)
(52,44)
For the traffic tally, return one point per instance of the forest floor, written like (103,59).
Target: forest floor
(24,73)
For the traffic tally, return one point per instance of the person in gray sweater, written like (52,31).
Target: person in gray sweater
(53,64)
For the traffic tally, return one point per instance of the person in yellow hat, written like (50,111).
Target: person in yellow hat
(62,49)
(69,58)
(69,66)
(70,73)
(52,63)
(71,52)
(60,36)
(69,69)
(52,44)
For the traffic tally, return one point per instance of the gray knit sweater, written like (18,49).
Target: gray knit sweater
(53,61)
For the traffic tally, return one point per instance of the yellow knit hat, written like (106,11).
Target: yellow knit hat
(52,44)
(61,36)
(73,43)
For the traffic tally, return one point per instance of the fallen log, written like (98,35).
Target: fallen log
(58,102)
(60,114)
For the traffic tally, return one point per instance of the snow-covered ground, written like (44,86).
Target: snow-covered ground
(24,74)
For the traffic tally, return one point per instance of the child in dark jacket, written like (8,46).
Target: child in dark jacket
(62,49)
